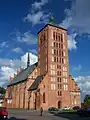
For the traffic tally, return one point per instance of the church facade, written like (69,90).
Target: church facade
(47,83)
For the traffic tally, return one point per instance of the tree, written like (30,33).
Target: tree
(87,99)
(2,90)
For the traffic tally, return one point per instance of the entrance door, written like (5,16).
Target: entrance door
(59,104)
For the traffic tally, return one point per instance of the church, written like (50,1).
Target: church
(48,82)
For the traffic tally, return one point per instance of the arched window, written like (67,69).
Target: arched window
(44,97)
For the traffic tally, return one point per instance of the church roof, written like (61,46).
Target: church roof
(23,75)
(35,84)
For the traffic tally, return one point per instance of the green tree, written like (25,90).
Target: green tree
(87,99)
(2,90)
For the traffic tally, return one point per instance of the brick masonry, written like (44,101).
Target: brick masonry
(45,96)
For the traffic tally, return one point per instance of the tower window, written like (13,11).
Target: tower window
(57,59)
(57,72)
(54,35)
(44,97)
(54,44)
(62,53)
(57,52)
(58,79)
(62,60)
(61,38)
(54,59)
(60,93)
(60,86)
(57,45)
(62,46)
(54,51)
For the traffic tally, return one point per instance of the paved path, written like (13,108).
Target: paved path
(34,115)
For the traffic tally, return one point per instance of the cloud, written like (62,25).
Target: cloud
(17,50)
(8,66)
(3,44)
(33,58)
(77,19)
(77,68)
(84,84)
(72,44)
(26,37)
(37,18)
(78,16)
(38,5)
(34,51)
(36,15)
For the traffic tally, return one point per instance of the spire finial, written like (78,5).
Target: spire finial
(28,60)
(51,20)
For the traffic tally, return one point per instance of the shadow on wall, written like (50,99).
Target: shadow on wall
(14,118)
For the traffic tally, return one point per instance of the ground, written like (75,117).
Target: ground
(35,115)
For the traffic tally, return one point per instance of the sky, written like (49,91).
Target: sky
(21,20)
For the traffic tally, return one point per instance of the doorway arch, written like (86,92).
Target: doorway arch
(59,104)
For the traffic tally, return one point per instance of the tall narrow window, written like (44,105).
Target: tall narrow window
(60,93)
(52,51)
(62,53)
(59,45)
(62,46)
(58,86)
(61,38)
(57,59)
(54,59)
(44,97)
(55,52)
(54,44)
(54,35)
(62,60)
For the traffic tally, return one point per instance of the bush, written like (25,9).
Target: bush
(52,109)
(76,108)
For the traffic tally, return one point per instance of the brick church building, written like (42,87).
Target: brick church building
(47,83)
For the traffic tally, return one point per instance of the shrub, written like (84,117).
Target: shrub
(52,109)
(76,108)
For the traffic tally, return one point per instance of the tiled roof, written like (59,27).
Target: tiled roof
(23,75)
(35,84)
